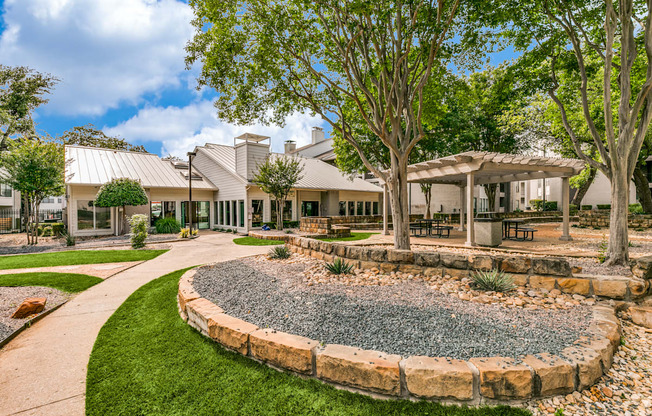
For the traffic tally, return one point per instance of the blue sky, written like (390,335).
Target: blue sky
(121,65)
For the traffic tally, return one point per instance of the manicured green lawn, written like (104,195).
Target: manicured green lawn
(147,361)
(252,241)
(67,282)
(67,258)
(354,237)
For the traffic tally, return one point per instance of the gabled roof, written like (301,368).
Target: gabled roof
(96,166)
(316,173)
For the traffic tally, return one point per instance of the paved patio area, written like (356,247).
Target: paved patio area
(43,370)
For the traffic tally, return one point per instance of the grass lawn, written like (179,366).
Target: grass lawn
(68,258)
(147,361)
(354,237)
(252,241)
(67,282)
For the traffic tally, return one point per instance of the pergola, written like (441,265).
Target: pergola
(469,169)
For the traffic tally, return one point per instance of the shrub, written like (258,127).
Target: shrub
(167,226)
(537,205)
(635,209)
(572,207)
(587,207)
(45,231)
(185,233)
(58,229)
(70,239)
(492,281)
(604,206)
(339,266)
(279,252)
(138,224)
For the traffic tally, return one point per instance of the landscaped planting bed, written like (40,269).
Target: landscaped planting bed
(399,335)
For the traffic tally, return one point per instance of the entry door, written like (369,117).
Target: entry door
(309,208)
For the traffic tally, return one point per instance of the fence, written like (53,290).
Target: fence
(11,222)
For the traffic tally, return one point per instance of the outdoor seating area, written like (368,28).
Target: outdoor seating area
(431,227)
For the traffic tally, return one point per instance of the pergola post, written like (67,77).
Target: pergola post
(565,203)
(462,209)
(385,209)
(470,228)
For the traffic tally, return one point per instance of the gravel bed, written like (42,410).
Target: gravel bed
(11,297)
(592,266)
(406,319)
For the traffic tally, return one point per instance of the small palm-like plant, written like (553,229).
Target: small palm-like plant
(279,252)
(339,266)
(492,281)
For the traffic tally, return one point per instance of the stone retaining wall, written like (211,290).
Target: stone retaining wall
(323,226)
(476,381)
(599,218)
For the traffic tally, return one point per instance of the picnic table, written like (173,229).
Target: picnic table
(429,225)
(511,230)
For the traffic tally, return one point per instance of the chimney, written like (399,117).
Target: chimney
(290,146)
(318,135)
(249,153)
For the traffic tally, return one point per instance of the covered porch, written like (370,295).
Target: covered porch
(470,169)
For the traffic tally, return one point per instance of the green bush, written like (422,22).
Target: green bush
(279,252)
(572,207)
(604,206)
(45,231)
(537,205)
(339,267)
(70,239)
(587,207)
(492,281)
(138,224)
(168,226)
(58,229)
(635,209)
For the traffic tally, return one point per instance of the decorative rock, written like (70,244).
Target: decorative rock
(501,378)
(641,315)
(231,332)
(572,285)
(425,258)
(438,378)
(542,282)
(610,287)
(400,256)
(369,370)
(485,263)
(186,292)
(553,374)
(638,287)
(551,266)
(289,351)
(199,312)
(643,267)
(454,261)
(588,362)
(516,264)
(30,306)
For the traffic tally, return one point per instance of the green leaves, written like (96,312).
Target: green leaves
(88,135)
(121,192)
(277,175)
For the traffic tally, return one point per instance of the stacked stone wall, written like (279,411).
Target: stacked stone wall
(599,218)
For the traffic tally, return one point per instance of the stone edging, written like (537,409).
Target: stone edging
(476,381)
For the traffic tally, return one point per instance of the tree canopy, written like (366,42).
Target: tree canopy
(89,135)
(121,192)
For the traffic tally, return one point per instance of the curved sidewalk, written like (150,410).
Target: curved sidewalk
(43,370)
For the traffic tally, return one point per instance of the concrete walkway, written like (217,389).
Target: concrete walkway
(43,370)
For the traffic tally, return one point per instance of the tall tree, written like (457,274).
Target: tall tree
(21,91)
(276,177)
(618,36)
(89,135)
(35,167)
(268,59)
(121,192)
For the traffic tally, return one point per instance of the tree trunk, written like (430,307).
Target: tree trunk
(643,192)
(279,214)
(490,190)
(618,252)
(398,197)
(36,222)
(426,188)
(582,190)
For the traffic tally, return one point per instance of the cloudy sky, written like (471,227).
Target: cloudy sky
(121,66)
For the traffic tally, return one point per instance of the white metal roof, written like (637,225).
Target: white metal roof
(96,166)
(490,167)
(316,173)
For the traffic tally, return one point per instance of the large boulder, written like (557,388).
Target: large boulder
(643,267)
(30,306)
(642,315)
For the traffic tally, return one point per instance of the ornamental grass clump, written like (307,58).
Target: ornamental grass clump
(492,281)
(185,233)
(279,252)
(168,226)
(339,266)
(138,224)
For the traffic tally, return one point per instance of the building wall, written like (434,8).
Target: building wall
(600,192)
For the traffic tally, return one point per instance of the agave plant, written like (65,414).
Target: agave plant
(492,281)
(339,266)
(279,252)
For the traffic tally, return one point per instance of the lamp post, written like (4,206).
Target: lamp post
(190,156)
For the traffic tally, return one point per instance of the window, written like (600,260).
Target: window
(342,208)
(90,217)
(234,213)
(162,209)
(48,200)
(287,211)
(257,212)
(367,208)
(375,208)
(5,191)
(221,213)
(216,213)
(351,208)
(200,214)
(309,208)
(227,214)
(242,213)
(359,208)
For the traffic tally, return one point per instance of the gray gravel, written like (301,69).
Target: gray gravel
(405,319)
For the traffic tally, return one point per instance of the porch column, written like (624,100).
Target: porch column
(385,209)
(565,203)
(462,209)
(470,228)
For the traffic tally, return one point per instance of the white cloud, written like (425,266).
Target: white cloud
(106,52)
(181,128)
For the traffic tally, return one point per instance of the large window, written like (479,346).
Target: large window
(221,222)
(375,208)
(227,212)
(90,217)
(234,212)
(256,212)
(287,211)
(5,190)
(351,208)
(342,208)
(162,209)
(242,213)
(309,208)
(200,214)
(359,208)
(367,208)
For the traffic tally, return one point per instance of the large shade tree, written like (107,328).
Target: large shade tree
(121,192)
(89,135)
(268,59)
(619,36)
